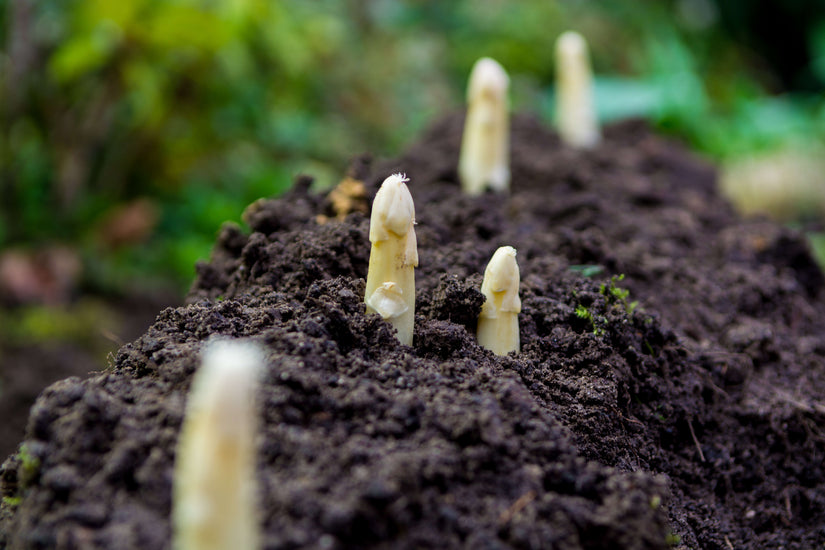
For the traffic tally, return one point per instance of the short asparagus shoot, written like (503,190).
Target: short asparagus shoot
(484,161)
(498,322)
(393,257)
(575,106)
(213,495)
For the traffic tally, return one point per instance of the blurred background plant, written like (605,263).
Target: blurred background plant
(132,128)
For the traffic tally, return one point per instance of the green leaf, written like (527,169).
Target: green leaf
(586,270)
(85,52)
(618,98)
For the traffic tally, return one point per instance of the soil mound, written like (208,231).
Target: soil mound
(680,404)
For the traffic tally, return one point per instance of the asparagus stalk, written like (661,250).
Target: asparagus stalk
(485,147)
(575,108)
(393,257)
(213,495)
(498,323)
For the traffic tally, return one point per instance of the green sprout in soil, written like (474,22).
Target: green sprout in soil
(213,494)
(12,502)
(394,255)
(672,539)
(575,107)
(584,313)
(29,466)
(498,322)
(615,295)
(485,147)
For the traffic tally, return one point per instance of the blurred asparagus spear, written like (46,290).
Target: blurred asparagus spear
(213,495)
(575,108)
(485,146)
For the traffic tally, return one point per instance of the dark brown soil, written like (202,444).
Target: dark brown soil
(691,419)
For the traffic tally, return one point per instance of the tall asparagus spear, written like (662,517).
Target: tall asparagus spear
(393,257)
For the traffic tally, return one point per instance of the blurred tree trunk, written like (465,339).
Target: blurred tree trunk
(22,56)
(22,52)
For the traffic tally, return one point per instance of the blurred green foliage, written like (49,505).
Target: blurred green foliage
(203,106)
(38,325)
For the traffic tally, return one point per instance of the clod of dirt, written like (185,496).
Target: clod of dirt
(681,405)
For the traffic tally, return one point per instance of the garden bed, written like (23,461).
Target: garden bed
(685,412)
